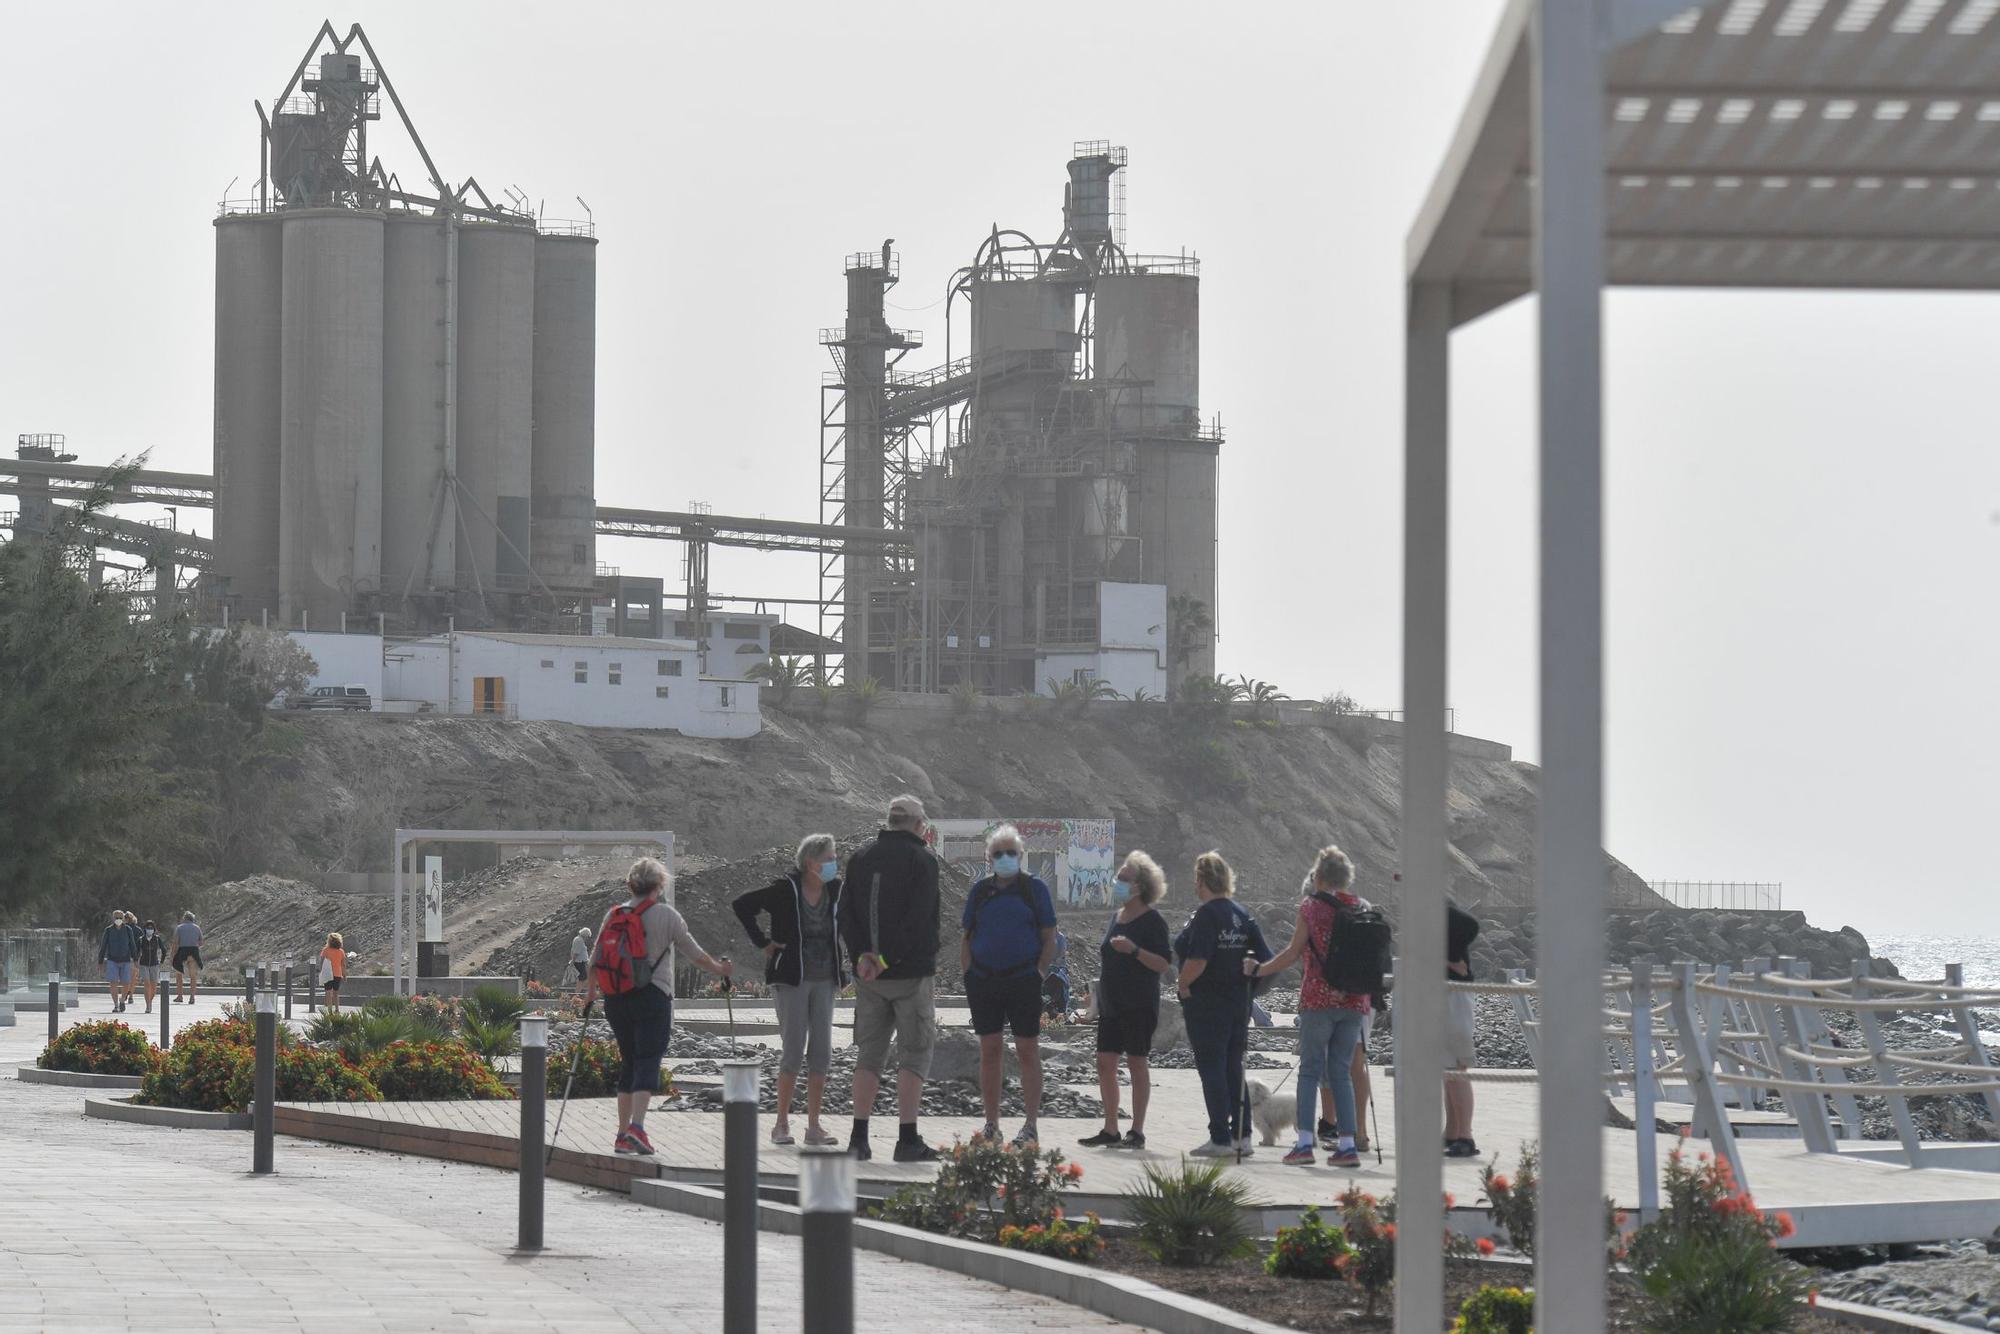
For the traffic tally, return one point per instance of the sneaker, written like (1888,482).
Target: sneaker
(859,1148)
(1208,1148)
(1027,1137)
(1300,1156)
(1461,1148)
(1103,1139)
(1344,1158)
(625,1146)
(781,1133)
(641,1143)
(1133,1140)
(990,1132)
(820,1139)
(1247,1146)
(914,1151)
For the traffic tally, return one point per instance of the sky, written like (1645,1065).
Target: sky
(1803,506)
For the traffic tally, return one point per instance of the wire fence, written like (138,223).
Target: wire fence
(1734,895)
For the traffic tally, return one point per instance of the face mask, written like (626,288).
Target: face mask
(829,870)
(1120,891)
(1006,863)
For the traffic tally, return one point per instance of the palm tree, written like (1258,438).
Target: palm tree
(1260,694)
(1190,627)
(785,675)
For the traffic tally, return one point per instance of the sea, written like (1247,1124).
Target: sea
(1926,956)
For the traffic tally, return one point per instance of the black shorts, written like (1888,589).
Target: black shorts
(581,969)
(641,1022)
(333,984)
(183,954)
(1006,1003)
(1128,1032)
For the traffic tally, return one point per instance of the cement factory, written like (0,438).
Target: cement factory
(404,437)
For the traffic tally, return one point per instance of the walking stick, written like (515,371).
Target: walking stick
(1377,1119)
(729,1000)
(575,1052)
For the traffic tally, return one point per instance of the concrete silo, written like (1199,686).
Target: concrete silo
(419,533)
(496,379)
(1147,328)
(1019,325)
(564,547)
(330,378)
(249,277)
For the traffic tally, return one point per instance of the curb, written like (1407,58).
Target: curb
(1875,1317)
(1131,1300)
(178,1118)
(34,1074)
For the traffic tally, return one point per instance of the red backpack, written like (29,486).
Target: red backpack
(621,962)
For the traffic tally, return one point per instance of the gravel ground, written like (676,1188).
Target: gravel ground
(1959,1282)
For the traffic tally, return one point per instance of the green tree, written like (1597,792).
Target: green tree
(785,676)
(1190,628)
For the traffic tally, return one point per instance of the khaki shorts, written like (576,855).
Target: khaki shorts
(901,1006)
(1458,1033)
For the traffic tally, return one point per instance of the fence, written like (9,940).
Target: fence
(1729,895)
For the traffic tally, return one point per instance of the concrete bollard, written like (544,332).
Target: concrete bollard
(288,988)
(534,1116)
(166,1024)
(55,1005)
(739,1196)
(249,984)
(826,1201)
(263,1111)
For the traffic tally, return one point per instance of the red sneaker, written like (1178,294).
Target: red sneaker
(640,1143)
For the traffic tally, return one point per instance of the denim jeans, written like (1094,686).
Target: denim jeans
(1219,1033)
(1326,1056)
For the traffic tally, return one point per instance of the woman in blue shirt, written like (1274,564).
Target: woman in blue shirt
(1215,1000)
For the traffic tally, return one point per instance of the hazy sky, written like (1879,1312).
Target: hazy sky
(1804,509)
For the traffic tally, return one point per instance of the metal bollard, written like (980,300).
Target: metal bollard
(826,1200)
(166,1024)
(534,1116)
(263,1110)
(55,1005)
(288,988)
(249,984)
(739,1196)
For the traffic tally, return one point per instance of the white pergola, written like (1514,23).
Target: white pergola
(1732,143)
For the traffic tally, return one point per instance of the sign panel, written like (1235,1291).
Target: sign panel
(433,899)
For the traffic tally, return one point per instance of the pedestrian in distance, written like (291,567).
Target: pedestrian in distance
(579,953)
(1329,1018)
(116,952)
(152,953)
(628,968)
(1133,956)
(333,969)
(187,959)
(888,919)
(1005,954)
(792,920)
(1215,1000)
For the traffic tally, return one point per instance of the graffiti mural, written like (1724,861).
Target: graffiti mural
(1075,858)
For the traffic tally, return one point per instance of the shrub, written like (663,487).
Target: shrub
(1192,1215)
(538,990)
(964,698)
(597,1066)
(1309,1250)
(335,1028)
(230,1032)
(490,1039)
(390,1004)
(305,1074)
(1371,1235)
(1710,1260)
(1496,1310)
(432,1071)
(435,1016)
(199,1073)
(984,1186)
(1061,1239)
(101,1047)
(1511,1200)
(496,1004)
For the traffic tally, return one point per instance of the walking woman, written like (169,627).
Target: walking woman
(333,970)
(1214,986)
(802,964)
(1133,957)
(632,946)
(1329,1020)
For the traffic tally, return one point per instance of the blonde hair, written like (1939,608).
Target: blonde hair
(1214,875)
(647,876)
(333,941)
(1334,869)
(1149,882)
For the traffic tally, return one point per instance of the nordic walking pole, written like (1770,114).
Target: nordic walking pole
(575,1053)
(729,1000)
(1377,1119)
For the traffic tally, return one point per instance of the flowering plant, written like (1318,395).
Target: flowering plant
(1710,1260)
(306,1074)
(1059,1238)
(1312,1249)
(427,1071)
(199,1073)
(1496,1310)
(101,1047)
(983,1186)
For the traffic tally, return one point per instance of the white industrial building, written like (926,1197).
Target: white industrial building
(1131,652)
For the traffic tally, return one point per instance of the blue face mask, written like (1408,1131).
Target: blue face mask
(1006,863)
(1120,891)
(829,870)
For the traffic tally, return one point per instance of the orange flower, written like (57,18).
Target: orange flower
(1499,1185)
(1620,1218)
(1389,1231)
(1449,1202)
(1785,1225)
(1074,1171)
(1485,1245)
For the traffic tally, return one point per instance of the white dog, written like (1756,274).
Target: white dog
(1272,1113)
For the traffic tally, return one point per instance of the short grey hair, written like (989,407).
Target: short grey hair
(1148,881)
(906,812)
(1006,833)
(647,876)
(583,932)
(813,847)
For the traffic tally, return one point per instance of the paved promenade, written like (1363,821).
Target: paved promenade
(109,1226)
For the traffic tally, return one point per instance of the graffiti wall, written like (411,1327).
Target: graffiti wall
(1075,858)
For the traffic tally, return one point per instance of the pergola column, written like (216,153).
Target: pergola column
(1420,990)
(1568,109)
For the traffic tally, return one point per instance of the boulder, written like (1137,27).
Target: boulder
(1172,1030)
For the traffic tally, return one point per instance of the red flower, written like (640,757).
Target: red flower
(1449,1202)
(1499,1185)
(1074,1171)
(1485,1245)
(1389,1231)
(1785,1225)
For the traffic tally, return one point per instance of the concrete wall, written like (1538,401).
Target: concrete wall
(418,671)
(345,660)
(541,683)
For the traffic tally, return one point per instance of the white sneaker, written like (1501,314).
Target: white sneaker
(1246,1147)
(1208,1148)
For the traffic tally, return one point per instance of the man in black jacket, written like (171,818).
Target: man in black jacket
(889,922)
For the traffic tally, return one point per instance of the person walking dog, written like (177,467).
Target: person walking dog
(802,964)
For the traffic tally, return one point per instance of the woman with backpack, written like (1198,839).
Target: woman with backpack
(1218,949)
(629,968)
(1329,1019)
(802,964)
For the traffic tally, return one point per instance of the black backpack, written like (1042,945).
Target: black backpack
(1360,954)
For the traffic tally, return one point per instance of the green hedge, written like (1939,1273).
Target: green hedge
(101,1047)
